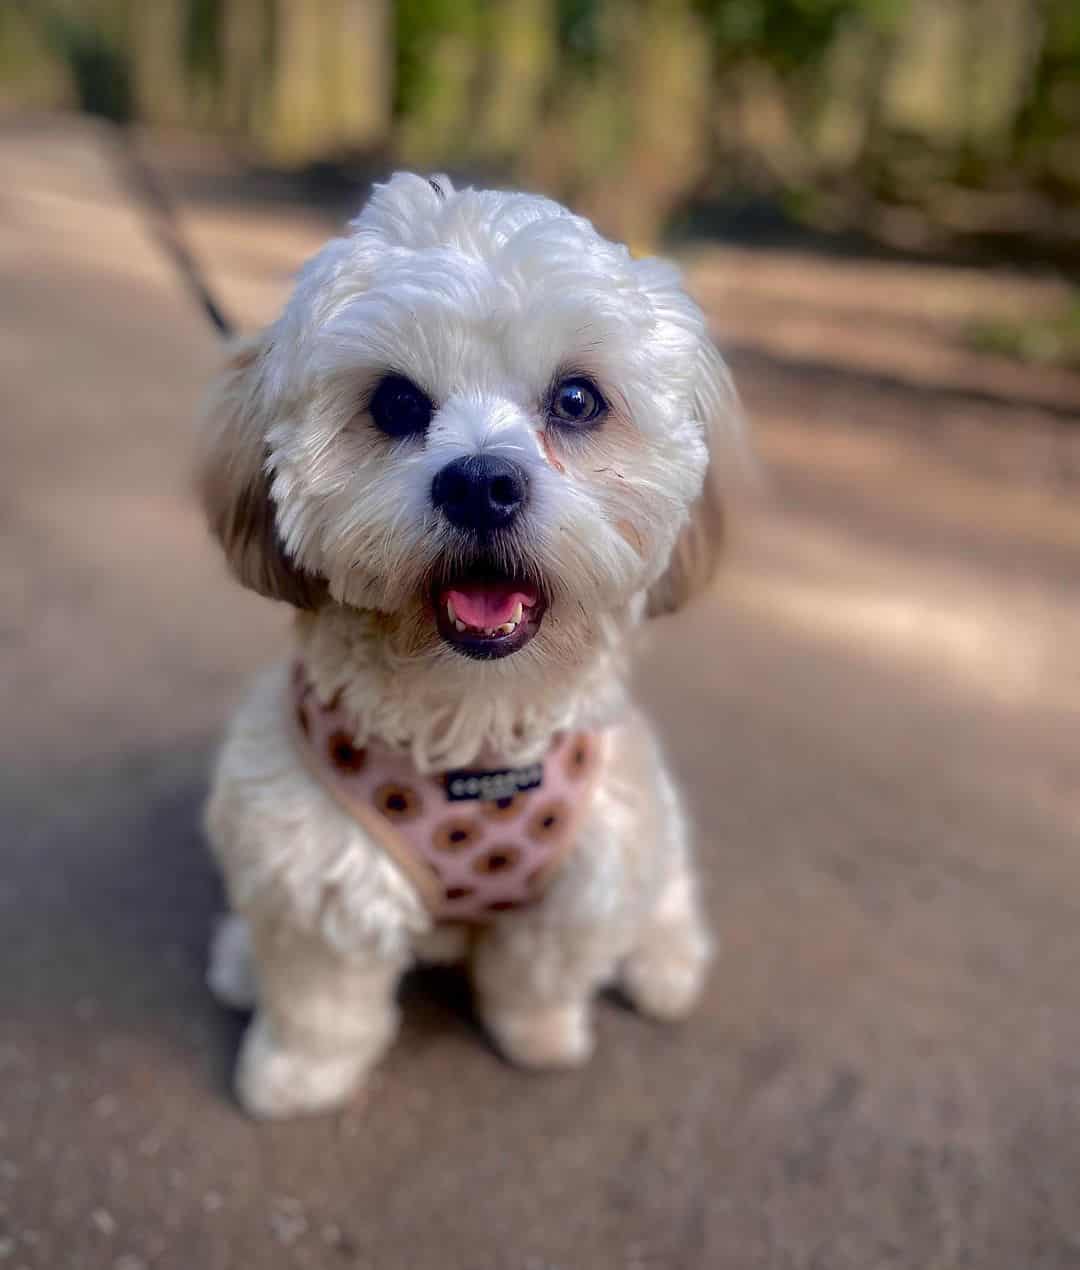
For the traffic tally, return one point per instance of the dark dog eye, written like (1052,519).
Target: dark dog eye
(577,401)
(399,408)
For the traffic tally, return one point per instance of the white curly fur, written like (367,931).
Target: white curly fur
(482,299)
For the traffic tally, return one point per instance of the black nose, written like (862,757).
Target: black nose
(481,492)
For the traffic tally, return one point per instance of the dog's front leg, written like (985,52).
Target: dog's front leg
(324,1019)
(535,982)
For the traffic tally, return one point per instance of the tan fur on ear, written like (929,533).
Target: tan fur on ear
(696,558)
(235,488)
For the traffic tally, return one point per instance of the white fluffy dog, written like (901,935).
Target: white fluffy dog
(474,453)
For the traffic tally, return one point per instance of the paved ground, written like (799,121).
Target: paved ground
(876,719)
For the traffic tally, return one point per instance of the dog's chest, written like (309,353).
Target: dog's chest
(474,842)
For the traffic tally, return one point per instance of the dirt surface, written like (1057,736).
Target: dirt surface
(876,719)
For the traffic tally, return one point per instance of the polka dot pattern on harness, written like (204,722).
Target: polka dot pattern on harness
(398,802)
(343,753)
(498,859)
(578,757)
(475,858)
(547,820)
(505,808)
(456,834)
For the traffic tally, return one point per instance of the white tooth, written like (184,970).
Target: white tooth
(450,610)
(516,617)
(507,627)
(460,625)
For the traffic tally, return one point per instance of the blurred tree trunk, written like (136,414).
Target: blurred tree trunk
(1047,132)
(364,63)
(247,51)
(516,70)
(1001,48)
(848,121)
(331,82)
(579,147)
(163,88)
(447,61)
(31,74)
(661,83)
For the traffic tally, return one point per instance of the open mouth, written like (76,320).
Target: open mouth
(488,616)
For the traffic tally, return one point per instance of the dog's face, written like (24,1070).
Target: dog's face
(479,419)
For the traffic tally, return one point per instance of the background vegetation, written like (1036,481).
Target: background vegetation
(919,122)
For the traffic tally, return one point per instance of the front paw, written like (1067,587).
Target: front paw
(550,1037)
(274,1081)
(664,980)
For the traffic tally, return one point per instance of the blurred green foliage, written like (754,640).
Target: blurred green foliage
(420,27)
(96,60)
(787,34)
(899,118)
(1049,340)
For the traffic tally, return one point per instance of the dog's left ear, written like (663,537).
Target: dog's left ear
(695,559)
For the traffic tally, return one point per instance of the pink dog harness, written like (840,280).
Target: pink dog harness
(474,842)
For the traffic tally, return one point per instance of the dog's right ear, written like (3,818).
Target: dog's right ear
(234,484)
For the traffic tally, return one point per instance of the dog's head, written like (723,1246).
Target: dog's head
(479,419)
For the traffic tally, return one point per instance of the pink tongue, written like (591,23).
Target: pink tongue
(489,604)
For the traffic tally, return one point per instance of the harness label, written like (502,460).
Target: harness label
(491,787)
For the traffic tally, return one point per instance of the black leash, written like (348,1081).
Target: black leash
(103,81)
(163,221)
